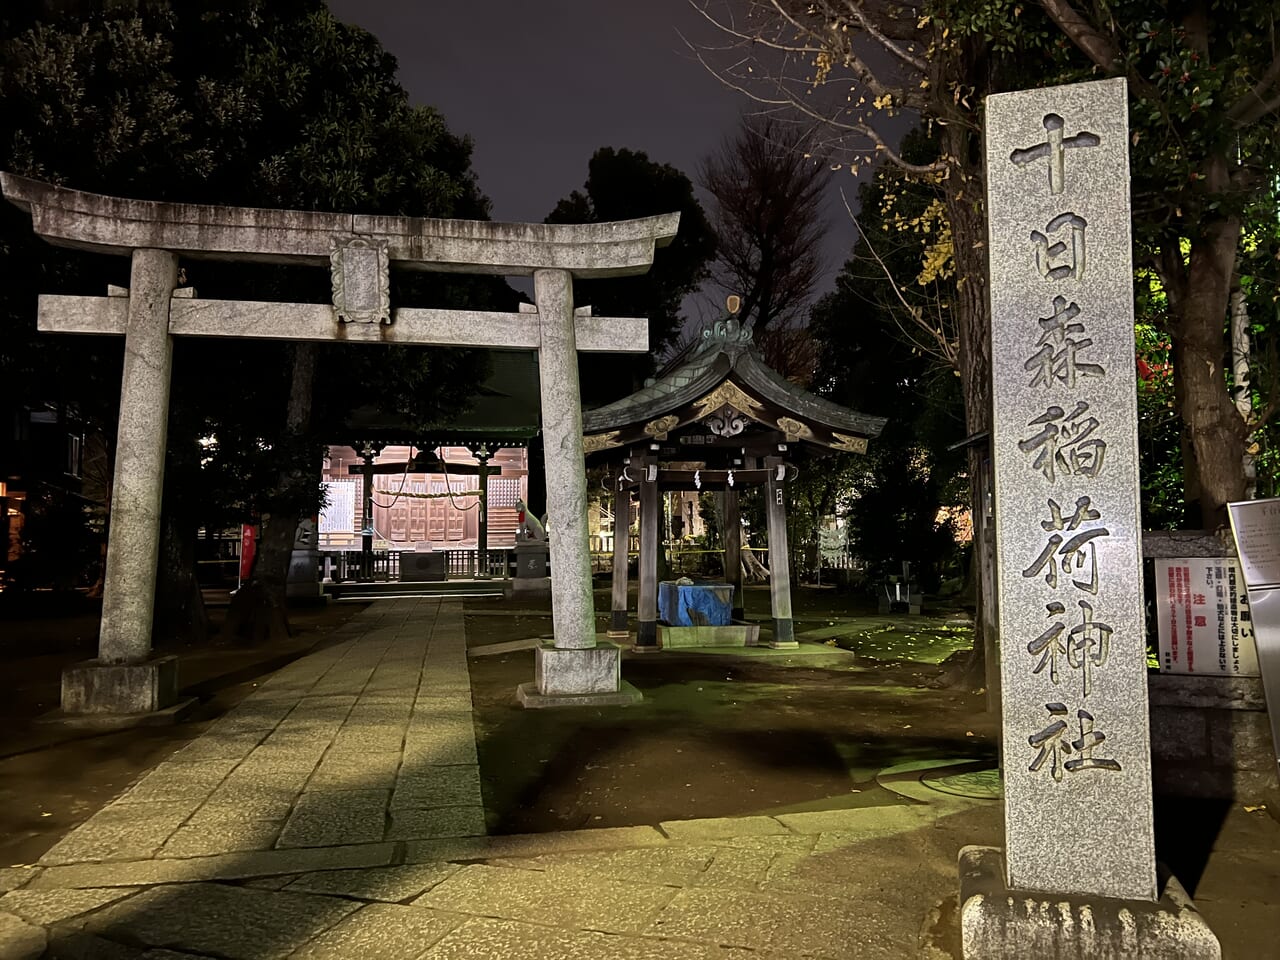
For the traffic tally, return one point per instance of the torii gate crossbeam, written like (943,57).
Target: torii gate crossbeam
(359,250)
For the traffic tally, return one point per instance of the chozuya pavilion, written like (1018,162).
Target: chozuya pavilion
(719,419)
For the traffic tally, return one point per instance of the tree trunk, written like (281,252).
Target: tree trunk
(1215,427)
(258,611)
(1199,292)
(180,613)
(973,324)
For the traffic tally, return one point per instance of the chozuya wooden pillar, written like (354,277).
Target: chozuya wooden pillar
(621,543)
(733,550)
(647,614)
(482,454)
(784,634)
(367,453)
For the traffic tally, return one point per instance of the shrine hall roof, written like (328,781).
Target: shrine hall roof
(724,371)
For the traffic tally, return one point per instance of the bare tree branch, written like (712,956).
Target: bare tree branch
(943,348)
(1093,43)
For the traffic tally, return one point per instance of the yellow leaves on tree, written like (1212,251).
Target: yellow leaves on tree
(937,258)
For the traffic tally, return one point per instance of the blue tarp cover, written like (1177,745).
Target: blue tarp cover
(695,604)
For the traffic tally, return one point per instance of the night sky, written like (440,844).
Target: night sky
(539,85)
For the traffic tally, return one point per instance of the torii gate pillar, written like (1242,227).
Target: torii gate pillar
(358,250)
(126,678)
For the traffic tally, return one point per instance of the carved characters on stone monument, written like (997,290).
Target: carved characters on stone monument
(1053,744)
(1087,644)
(1056,361)
(1065,444)
(360,273)
(1054,147)
(1061,259)
(1070,556)
(1064,465)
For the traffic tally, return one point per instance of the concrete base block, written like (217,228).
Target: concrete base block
(784,645)
(997,923)
(110,722)
(533,700)
(562,670)
(733,635)
(96,687)
(527,587)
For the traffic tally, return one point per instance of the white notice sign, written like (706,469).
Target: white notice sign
(1256,525)
(1205,623)
(339,512)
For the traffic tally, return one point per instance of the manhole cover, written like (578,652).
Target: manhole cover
(976,784)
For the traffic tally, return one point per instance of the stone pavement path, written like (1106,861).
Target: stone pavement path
(337,813)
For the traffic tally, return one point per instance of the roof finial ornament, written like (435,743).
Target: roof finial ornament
(729,331)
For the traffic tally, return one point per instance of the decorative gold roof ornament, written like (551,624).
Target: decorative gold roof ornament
(849,444)
(659,428)
(794,430)
(728,394)
(600,441)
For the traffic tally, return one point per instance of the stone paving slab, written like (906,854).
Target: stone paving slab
(504,939)
(44,907)
(813,926)
(12,878)
(751,888)
(436,823)
(711,828)
(671,865)
(592,903)
(172,781)
(226,866)
(20,940)
(220,746)
(390,884)
(222,920)
(209,838)
(532,844)
(329,818)
(855,822)
(439,786)
(381,931)
(121,832)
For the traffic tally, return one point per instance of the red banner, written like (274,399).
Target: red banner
(248,546)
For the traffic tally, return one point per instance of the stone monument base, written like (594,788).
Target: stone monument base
(94,687)
(531,699)
(527,587)
(577,677)
(997,923)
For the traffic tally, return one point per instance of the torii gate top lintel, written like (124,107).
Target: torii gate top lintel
(116,225)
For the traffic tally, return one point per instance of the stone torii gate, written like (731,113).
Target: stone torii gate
(358,250)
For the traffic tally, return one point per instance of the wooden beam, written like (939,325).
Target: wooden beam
(460,469)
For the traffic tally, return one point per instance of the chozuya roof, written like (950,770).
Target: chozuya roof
(725,377)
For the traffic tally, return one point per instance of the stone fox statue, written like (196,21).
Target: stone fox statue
(529,526)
